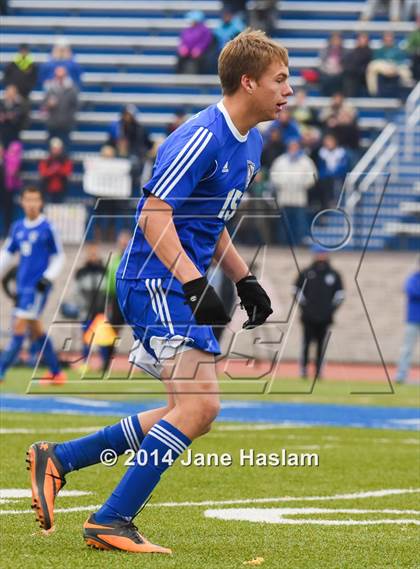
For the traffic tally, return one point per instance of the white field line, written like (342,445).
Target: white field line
(92,508)
(276,516)
(216,428)
(353,496)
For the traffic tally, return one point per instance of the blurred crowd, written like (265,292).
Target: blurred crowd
(316,147)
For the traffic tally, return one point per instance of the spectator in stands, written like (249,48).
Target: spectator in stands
(311,142)
(238,7)
(127,134)
(328,115)
(413,48)
(61,56)
(331,67)
(333,164)
(273,147)
(4,8)
(319,291)
(12,163)
(3,195)
(292,175)
(355,65)
(194,42)
(264,15)
(131,140)
(288,127)
(229,27)
(179,118)
(340,119)
(22,71)
(412,326)
(60,103)
(55,171)
(302,112)
(12,115)
(347,133)
(389,61)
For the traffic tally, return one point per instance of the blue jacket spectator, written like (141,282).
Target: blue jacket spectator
(61,56)
(230,27)
(288,127)
(333,160)
(333,164)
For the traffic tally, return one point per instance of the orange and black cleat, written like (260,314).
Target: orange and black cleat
(47,479)
(118,535)
(50,378)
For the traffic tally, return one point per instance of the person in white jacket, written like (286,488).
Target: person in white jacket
(292,175)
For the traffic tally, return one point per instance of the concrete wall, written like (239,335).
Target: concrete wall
(381,279)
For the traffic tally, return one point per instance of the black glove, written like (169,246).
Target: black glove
(9,283)
(206,305)
(255,301)
(43,284)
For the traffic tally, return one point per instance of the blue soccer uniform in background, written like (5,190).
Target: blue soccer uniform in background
(41,259)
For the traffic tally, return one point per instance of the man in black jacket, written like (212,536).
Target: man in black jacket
(355,64)
(319,290)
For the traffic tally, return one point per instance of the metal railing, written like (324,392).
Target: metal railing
(412,117)
(363,174)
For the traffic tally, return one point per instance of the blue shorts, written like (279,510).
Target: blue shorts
(30,303)
(162,323)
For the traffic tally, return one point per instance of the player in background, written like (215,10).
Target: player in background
(200,175)
(41,260)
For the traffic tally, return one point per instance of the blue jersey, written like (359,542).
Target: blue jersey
(36,242)
(202,171)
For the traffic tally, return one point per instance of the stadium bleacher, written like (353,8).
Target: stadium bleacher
(127,50)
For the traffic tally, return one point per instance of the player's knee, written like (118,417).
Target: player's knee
(207,409)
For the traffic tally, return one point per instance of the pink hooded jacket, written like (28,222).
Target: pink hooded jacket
(12,164)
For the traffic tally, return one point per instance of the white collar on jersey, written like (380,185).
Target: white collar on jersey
(29,223)
(232,127)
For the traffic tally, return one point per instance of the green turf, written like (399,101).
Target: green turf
(351,460)
(283,389)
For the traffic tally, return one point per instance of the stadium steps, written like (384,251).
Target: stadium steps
(111,39)
(169,6)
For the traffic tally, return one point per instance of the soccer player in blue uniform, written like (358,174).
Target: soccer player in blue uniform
(201,173)
(40,262)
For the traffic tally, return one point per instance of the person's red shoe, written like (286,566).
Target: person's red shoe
(53,379)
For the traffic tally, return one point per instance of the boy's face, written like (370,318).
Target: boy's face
(272,91)
(31,204)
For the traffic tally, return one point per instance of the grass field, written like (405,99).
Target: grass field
(362,464)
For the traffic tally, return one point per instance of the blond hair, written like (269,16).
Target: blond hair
(249,53)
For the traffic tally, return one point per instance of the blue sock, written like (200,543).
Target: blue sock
(10,353)
(162,444)
(127,434)
(48,354)
(85,352)
(34,348)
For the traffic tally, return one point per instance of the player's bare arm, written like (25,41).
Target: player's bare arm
(228,258)
(157,224)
